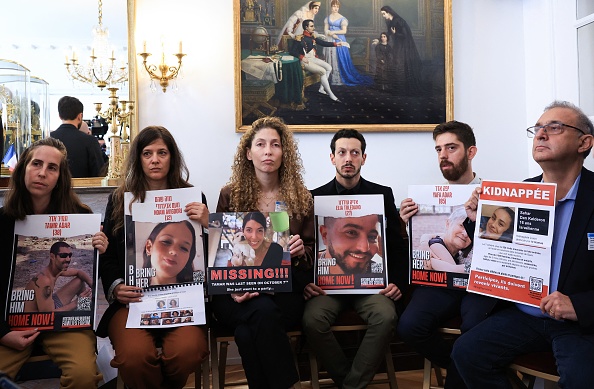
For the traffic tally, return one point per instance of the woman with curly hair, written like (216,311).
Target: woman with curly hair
(154,163)
(268,169)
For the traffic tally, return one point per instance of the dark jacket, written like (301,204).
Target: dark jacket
(306,43)
(576,277)
(85,158)
(396,252)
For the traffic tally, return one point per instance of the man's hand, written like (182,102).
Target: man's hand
(126,294)
(472,204)
(392,292)
(407,209)
(312,290)
(558,306)
(19,340)
(197,211)
(240,298)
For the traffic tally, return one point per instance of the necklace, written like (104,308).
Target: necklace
(269,198)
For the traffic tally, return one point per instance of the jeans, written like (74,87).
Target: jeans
(483,353)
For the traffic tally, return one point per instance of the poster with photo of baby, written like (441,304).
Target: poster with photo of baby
(350,244)
(249,252)
(53,277)
(441,249)
(512,241)
(163,245)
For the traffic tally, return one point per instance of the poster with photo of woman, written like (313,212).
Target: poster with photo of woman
(249,252)
(441,249)
(165,256)
(514,226)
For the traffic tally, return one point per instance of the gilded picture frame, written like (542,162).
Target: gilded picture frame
(382,98)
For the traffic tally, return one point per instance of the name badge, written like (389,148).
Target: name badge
(590,236)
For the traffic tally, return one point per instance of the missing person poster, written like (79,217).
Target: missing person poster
(249,252)
(54,273)
(441,250)
(164,252)
(512,239)
(350,244)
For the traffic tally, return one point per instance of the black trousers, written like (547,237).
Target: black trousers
(260,326)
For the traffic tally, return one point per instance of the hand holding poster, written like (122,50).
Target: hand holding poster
(440,248)
(249,252)
(164,253)
(350,242)
(513,239)
(54,271)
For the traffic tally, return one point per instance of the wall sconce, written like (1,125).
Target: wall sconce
(167,72)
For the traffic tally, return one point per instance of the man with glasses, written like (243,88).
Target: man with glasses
(564,322)
(47,298)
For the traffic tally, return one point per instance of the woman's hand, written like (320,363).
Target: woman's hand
(19,340)
(100,242)
(296,246)
(127,294)
(240,298)
(197,211)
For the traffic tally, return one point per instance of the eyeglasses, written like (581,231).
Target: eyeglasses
(550,129)
(64,255)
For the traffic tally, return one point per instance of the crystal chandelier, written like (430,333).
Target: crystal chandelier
(101,70)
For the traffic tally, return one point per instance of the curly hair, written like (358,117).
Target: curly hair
(18,202)
(135,181)
(245,189)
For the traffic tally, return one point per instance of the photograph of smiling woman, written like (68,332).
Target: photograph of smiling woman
(170,236)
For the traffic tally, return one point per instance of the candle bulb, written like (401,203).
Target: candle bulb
(144,47)
(93,52)
(180,47)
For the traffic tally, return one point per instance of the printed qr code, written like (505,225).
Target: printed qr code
(83,304)
(198,277)
(535,284)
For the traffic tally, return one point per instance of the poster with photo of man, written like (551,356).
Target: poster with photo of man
(350,244)
(54,272)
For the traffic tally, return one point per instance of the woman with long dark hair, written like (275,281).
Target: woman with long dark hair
(41,183)
(154,163)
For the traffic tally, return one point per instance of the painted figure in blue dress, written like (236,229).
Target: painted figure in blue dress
(335,27)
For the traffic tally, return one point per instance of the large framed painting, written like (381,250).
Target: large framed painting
(373,65)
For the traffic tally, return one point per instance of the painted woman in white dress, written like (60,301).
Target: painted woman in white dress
(293,26)
(335,27)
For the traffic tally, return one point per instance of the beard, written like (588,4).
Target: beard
(456,171)
(342,263)
(354,173)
